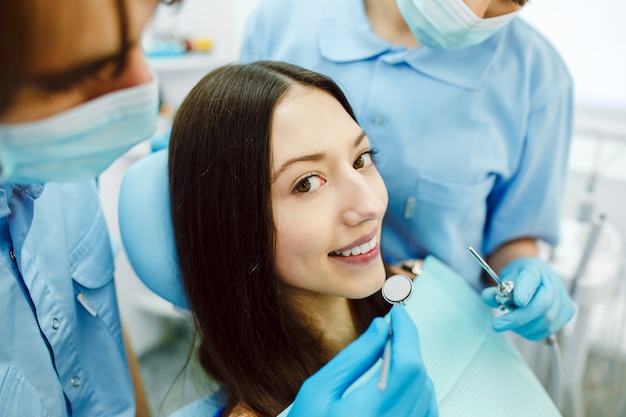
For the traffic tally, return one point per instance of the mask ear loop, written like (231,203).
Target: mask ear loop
(397,289)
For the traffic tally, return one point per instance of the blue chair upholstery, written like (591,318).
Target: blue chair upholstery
(146,227)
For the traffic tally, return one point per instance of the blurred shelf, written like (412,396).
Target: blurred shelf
(187,62)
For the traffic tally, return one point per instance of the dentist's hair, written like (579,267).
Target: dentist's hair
(253,342)
(21,40)
(15,46)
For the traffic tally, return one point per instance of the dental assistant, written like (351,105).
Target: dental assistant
(471,111)
(75,94)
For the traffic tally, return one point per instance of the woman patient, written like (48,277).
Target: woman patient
(276,208)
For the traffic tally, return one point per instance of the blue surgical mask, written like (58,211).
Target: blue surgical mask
(449,24)
(79,143)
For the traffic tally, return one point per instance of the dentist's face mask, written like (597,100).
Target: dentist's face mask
(79,143)
(449,24)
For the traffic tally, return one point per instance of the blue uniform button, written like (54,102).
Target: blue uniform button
(377,120)
(54,322)
(75,381)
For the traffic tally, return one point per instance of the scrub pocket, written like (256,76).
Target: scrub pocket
(92,270)
(451,193)
(447,214)
(19,398)
(94,287)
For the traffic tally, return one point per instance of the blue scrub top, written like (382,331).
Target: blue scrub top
(61,344)
(472,143)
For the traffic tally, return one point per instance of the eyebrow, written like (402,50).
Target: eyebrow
(312,157)
(78,72)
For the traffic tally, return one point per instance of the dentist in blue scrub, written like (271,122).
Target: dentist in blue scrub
(69,106)
(471,111)
(75,94)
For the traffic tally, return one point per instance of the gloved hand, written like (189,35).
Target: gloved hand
(409,390)
(544,305)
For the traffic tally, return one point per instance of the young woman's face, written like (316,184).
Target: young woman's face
(328,198)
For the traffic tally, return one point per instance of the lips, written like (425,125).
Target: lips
(357,250)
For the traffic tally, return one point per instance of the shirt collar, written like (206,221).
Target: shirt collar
(4,203)
(6,192)
(345,36)
(33,190)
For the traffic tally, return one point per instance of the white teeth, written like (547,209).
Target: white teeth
(358,250)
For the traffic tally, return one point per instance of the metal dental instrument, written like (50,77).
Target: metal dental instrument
(397,289)
(505,300)
(505,288)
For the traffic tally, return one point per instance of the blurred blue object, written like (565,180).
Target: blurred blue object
(165,48)
(160,141)
(146,227)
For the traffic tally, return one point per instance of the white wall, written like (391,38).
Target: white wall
(223,21)
(591,36)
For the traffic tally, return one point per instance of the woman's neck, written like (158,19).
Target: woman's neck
(331,316)
(387,22)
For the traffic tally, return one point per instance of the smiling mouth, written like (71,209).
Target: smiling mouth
(357,250)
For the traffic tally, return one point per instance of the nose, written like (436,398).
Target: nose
(364,197)
(135,72)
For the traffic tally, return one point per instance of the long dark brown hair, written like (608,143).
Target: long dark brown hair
(252,342)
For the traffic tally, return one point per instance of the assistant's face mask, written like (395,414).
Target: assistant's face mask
(449,24)
(80,143)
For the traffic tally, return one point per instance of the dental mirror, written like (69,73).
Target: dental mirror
(397,289)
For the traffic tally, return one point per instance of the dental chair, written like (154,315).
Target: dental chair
(476,371)
(147,236)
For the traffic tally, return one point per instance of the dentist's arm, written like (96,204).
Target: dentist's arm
(409,390)
(509,251)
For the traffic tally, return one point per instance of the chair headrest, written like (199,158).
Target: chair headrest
(146,227)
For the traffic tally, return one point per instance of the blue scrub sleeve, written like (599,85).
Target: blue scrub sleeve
(529,203)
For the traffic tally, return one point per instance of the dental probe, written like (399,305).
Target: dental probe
(505,288)
(485,265)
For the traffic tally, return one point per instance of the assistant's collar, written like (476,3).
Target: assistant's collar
(6,191)
(345,35)
(33,190)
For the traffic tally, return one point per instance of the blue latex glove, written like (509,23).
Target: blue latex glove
(544,305)
(409,392)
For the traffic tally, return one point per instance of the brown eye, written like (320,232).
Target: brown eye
(308,184)
(364,160)
(303,186)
